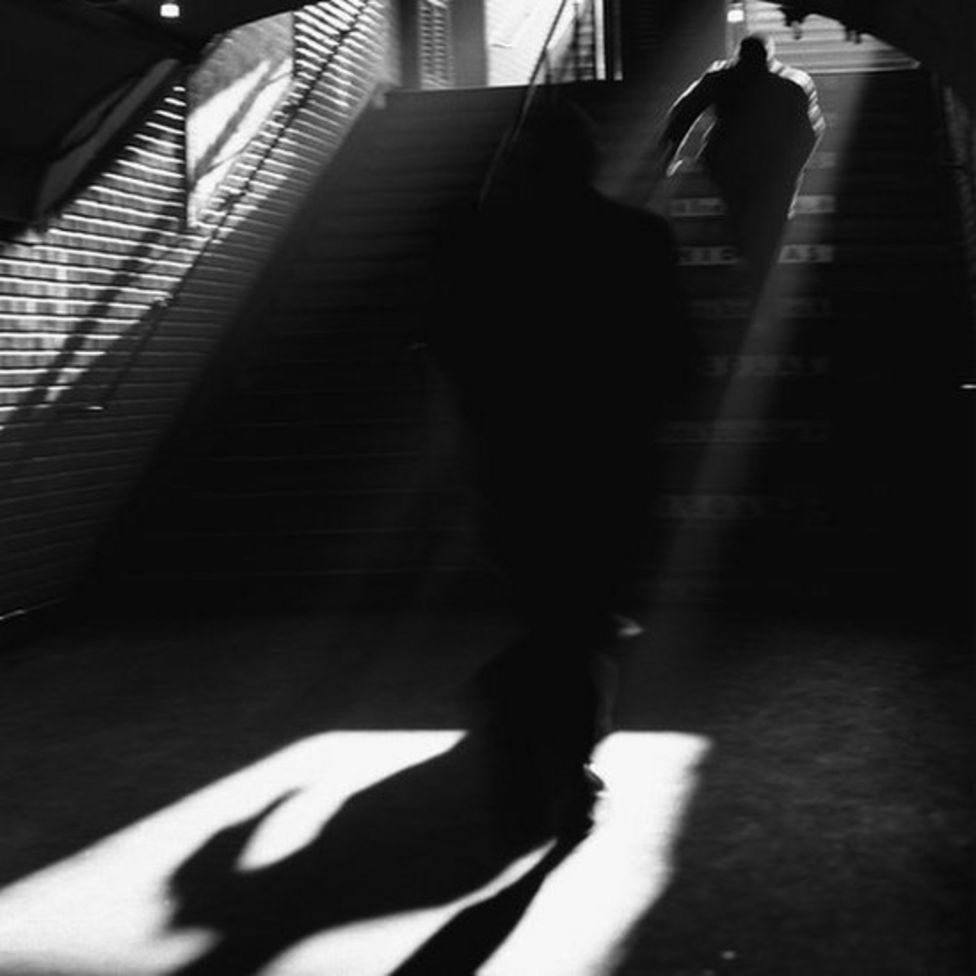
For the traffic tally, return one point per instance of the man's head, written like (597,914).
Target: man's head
(756,51)
(556,151)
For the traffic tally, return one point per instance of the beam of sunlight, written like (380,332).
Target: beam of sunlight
(770,336)
(109,908)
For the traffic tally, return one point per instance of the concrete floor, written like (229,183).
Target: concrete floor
(788,795)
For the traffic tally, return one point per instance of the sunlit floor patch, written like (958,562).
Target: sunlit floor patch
(108,910)
(589,905)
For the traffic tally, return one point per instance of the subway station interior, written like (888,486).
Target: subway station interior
(247,597)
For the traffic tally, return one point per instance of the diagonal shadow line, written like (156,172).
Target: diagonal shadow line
(420,838)
(470,938)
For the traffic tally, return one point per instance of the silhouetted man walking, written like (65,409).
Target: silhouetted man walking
(563,333)
(767,122)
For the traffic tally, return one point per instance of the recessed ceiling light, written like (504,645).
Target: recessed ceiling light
(169,10)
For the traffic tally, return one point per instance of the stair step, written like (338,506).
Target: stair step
(459,584)
(825,228)
(357,405)
(390,197)
(910,90)
(410,104)
(846,205)
(246,554)
(823,42)
(918,258)
(304,341)
(835,285)
(835,173)
(306,510)
(369,295)
(333,379)
(414,147)
(355,241)
(360,227)
(355,471)
(290,439)
(377,328)
(443,433)
(316,368)
(826,57)
(439,177)
(909,87)
(428,412)
(763,530)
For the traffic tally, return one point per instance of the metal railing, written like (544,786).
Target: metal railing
(574,50)
(959,151)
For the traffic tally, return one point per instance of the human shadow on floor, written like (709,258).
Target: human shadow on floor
(476,932)
(420,838)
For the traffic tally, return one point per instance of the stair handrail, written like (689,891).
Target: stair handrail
(542,79)
(292,103)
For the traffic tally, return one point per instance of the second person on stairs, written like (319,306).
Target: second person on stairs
(766,122)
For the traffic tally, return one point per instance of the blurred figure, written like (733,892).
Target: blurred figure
(766,123)
(563,333)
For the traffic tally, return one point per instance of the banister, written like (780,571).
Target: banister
(542,75)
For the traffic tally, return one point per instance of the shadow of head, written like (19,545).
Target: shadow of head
(423,837)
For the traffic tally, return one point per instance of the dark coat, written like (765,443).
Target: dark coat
(766,123)
(563,332)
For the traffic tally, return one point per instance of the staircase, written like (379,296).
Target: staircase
(321,465)
(828,450)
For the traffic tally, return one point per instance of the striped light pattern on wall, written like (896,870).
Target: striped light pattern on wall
(108,312)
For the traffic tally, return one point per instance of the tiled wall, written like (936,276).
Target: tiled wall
(108,313)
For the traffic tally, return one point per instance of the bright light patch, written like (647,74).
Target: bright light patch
(169,10)
(579,923)
(736,15)
(108,908)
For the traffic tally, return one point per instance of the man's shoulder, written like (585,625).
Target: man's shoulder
(721,65)
(713,74)
(797,75)
(716,71)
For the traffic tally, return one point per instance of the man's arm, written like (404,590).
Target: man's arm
(685,112)
(817,121)
(814,114)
